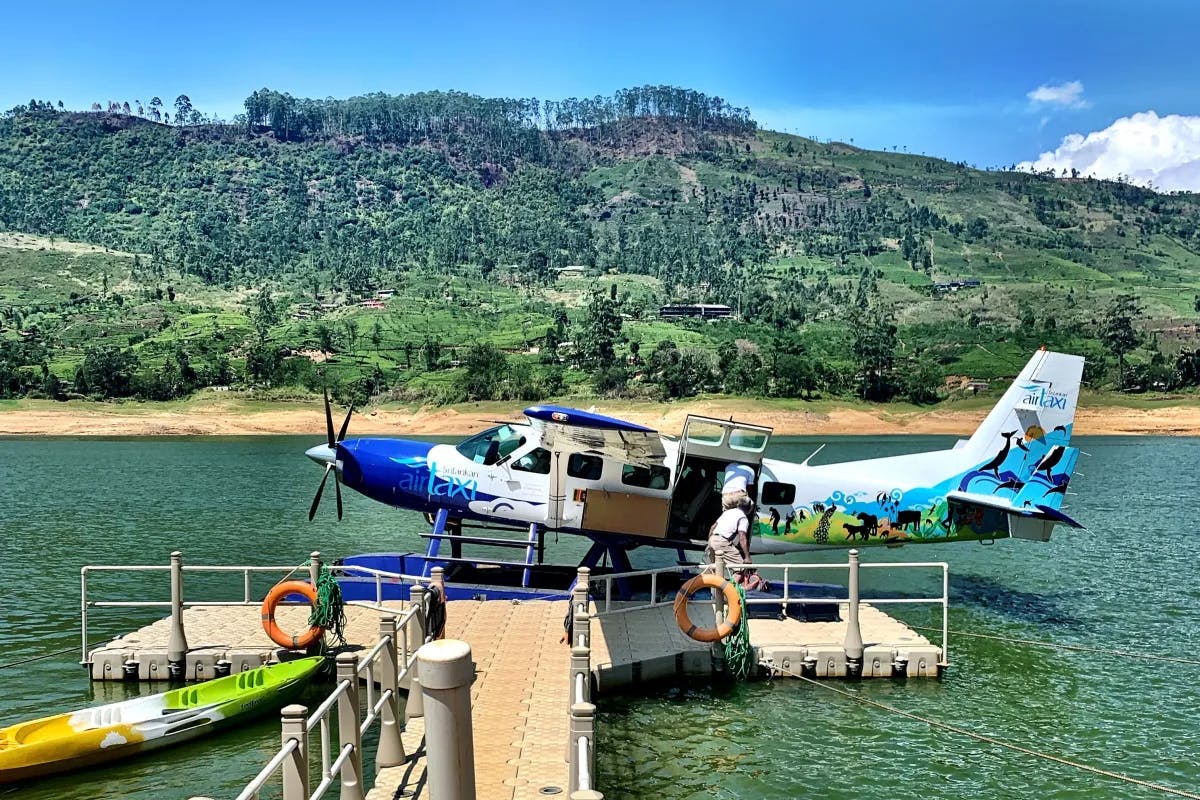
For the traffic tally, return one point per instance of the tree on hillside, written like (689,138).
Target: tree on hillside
(264,314)
(484,371)
(875,356)
(351,332)
(1117,331)
(598,334)
(183,109)
(107,371)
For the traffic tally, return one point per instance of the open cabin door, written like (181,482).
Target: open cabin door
(706,447)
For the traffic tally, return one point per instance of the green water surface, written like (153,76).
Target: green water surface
(1128,583)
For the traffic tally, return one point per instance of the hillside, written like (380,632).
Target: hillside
(413,247)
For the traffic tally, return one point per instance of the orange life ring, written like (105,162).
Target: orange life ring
(277,593)
(732,601)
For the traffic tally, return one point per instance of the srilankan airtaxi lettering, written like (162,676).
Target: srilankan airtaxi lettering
(1041,397)
(437,485)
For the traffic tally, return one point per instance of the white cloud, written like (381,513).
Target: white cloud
(1145,148)
(1066,95)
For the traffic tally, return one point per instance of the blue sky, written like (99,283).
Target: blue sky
(952,79)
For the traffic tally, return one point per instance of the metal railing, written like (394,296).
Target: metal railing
(177,570)
(386,665)
(605,601)
(609,580)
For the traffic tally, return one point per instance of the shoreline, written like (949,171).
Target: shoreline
(239,418)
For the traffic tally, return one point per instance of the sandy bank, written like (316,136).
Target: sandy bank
(231,418)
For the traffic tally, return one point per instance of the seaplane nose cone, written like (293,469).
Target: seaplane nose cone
(322,454)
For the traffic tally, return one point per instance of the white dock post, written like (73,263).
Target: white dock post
(390,752)
(446,676)
(414,707)
(177,645)
(314,567)
(854,643)
(349,732)
(295,767)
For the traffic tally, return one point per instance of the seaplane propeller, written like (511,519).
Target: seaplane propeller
(327,454)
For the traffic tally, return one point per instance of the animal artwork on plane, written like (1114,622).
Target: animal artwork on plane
(583,473)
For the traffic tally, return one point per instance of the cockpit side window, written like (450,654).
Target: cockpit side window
(492,445)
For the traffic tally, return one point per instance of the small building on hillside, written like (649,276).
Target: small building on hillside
(695,311)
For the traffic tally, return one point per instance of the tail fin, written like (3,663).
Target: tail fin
(1019,459)
(1039,406)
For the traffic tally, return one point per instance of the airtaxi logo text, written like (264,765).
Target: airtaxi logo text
(427,481)
(1042,397)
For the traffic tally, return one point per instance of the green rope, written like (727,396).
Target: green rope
(739,653)
(329,610)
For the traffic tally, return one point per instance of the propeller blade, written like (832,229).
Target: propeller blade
(329,420)
(337,485)
(312,511)
(345,423)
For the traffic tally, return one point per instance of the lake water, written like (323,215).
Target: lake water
(1130,582)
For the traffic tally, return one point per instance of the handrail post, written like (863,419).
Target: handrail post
(580,677)
(349,732)
(717,595)
(446,676)
(581,619)
(414,706)
(83,607)
(177,645)
(295,766)
(717,649)
(853,643)
(945,614)
(314,567)
(582,760)
(390,752)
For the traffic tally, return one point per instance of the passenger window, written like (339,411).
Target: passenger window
(777,494)
(536,461)
(585,467)
(652,477)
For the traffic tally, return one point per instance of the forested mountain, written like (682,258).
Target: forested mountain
(397,238)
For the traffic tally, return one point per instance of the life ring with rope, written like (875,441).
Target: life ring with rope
(732,602)
(274,597)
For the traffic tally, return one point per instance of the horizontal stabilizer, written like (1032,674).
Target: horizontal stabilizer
(1020,516)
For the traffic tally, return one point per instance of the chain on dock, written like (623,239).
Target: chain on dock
(990,740)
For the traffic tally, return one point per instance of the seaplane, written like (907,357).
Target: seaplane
(625,486)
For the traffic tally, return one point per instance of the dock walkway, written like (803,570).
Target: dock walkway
(521,691)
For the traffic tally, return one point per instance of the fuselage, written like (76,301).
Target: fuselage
(504,476)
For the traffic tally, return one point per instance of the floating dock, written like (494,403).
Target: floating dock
(522,684)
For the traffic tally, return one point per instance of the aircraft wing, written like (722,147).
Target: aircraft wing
(571,430)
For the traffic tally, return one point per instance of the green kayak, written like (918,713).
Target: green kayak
(106,733)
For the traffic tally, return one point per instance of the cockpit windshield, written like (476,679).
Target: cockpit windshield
(492,445)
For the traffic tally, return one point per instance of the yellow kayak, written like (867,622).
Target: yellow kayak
(106,733)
